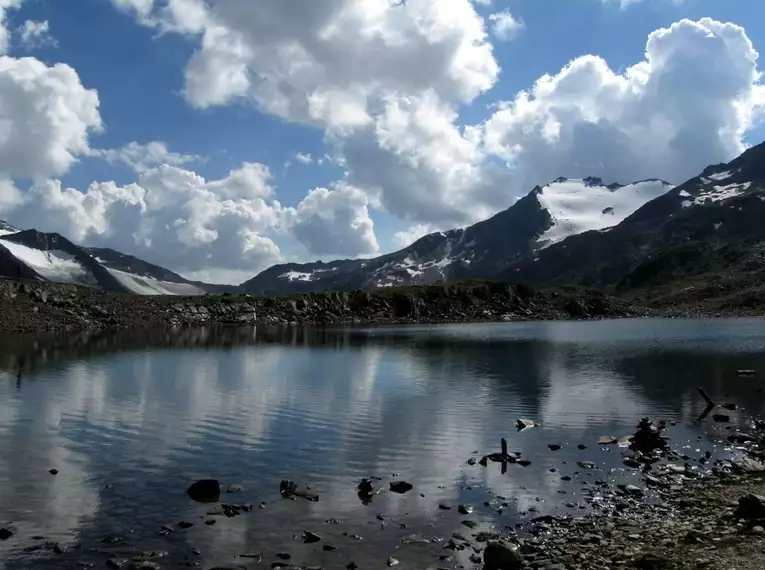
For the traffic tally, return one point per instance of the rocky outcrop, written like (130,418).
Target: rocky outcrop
(40,306)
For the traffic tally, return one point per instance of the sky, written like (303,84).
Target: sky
(219,137)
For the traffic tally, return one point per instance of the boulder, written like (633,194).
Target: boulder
(751,507)
(502,555)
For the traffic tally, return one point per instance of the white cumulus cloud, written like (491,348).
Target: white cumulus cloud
(34,34)
(685,106)
(142,157)
(46,117)
(334,222)
(505,26)
(303,158)
(169,216)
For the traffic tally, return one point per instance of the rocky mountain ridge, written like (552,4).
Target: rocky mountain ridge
(546,215)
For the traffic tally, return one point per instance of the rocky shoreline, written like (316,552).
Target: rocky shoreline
(33,306)
(687,513)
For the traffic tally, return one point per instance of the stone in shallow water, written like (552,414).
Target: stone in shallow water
(522,424)
(415,539)
(5,534)
(310,537)
(204,491)
(465,509)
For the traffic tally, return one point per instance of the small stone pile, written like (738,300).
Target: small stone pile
(648,439)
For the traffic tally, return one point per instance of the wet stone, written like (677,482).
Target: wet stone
(401,486)
(310,537)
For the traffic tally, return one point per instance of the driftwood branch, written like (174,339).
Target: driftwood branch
(706,397)
(711,405)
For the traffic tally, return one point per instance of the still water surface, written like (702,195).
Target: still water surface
(131,420)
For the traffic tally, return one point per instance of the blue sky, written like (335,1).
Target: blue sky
(139,61)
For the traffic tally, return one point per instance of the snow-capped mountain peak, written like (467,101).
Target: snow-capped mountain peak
(578,205)
(6,228)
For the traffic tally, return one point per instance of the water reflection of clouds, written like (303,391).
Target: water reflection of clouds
(320,415)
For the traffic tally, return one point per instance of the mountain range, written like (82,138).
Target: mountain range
(646,234)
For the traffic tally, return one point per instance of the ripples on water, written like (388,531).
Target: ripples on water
(327,407)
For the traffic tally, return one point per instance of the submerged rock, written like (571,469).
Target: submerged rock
(289,489)
(5,534)
(204,491)
(401,486)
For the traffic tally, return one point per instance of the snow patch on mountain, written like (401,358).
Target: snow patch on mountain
(53,265)
(577,206)
(297,276)
(143,285)
(721,193)
(720,175)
